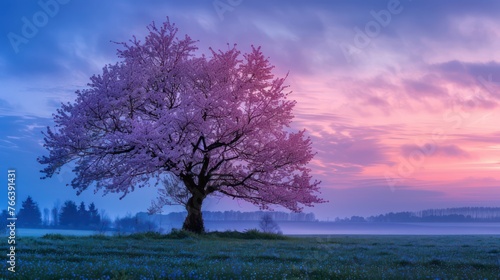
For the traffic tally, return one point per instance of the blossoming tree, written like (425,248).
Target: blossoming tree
(216,125)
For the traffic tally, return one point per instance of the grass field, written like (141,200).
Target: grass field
(252,256)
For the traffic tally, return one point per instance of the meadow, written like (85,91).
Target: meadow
(251,255)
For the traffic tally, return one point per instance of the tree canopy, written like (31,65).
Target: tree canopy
(202,125)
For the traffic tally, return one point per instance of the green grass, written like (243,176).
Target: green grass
(252,255)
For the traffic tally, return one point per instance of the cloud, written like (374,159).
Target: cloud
(452,151)
(5,105)
(486,75)
(493,137)
(23,133)
(432,150)
(425,87)
(376,102)
(343,155)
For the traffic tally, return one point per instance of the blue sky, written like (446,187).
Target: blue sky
(369,101)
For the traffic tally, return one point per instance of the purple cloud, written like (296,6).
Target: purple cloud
(430,149)
(428,86)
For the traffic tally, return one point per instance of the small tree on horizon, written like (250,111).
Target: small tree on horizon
(55,213)
(268,225)
(216,125)
(104,221)
(46,217)
(29,214)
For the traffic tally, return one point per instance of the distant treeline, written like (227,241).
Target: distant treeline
(73,216)
(450,215)
(69,215)
(176,217)
(80,216)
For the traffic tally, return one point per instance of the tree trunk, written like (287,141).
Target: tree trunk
(194,219)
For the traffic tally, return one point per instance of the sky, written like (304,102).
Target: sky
(400,98)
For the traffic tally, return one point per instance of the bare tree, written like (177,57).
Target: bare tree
(104,222)
(55,213)
(268,225)
(46,216)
